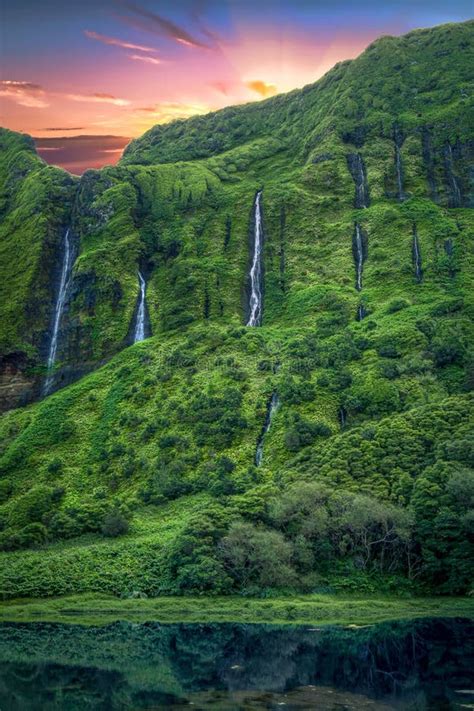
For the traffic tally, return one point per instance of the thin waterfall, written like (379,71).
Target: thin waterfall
(342,416)
(139,334)
(398,141)
(271,409)
(399,170)
(58,310)
(455,199)
(417,256)
(357,170)
(359,256)
(361,312)
(428,158)
(361,191)
(255,303)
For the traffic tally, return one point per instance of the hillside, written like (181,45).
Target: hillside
(329,447)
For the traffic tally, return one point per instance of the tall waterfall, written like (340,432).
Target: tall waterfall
(139,334)
(361,189)
(398,141)
(58,310)
(417,256)
(399,170)
(428,158)
(255,303)
(359,256)
(356,166)
(271,409)
(455,199)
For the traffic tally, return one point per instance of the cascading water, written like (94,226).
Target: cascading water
(139,334)
(359,256)
(357,170)
(398,165)
(58,310)
(342,416)
(271,409)
(398,140)
(361,312)
(255,303)
(455,199)
(428,158)
(417,256)
(360,187)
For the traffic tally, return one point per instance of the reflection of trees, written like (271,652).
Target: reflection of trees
(139,666)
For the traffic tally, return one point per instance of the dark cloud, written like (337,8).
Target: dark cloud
(152,22)
(79,153)
(63,128)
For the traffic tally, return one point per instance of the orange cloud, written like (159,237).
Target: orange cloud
(141,58)
(168,110)
(117,42)
(24,93)
(262,88)
(99,98)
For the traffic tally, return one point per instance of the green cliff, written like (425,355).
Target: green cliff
(143,475)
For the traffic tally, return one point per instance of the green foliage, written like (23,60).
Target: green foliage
(159,442)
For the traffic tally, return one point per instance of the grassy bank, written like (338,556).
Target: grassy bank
(305,609)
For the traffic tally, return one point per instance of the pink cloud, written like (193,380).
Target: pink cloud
(141,58)
(114,41)
(24,93)
(99,98)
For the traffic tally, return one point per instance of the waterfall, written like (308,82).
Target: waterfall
(58,310)
(139,334)
(342,416)
(360,187)
(361,312)
(359,256)
(398,141)
(255,303)
(417,256)
(455,200)
(271,409)
(356,167)
(428,159)
(398,165)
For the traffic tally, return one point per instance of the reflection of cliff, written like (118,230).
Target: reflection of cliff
(139,666)
(305,697)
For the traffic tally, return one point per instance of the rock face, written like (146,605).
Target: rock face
(17,386)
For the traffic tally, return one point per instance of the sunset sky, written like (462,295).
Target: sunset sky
(85,76)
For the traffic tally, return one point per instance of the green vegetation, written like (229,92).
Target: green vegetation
(298,609)
(140,478)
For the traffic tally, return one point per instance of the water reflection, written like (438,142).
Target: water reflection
(428,664)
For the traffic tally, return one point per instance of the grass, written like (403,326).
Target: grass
(317,609)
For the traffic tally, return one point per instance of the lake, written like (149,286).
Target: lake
(423,664)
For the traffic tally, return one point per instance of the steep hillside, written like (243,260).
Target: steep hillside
(329,446)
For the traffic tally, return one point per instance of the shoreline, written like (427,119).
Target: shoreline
(95,609)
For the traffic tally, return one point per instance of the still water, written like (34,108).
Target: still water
(426,664)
